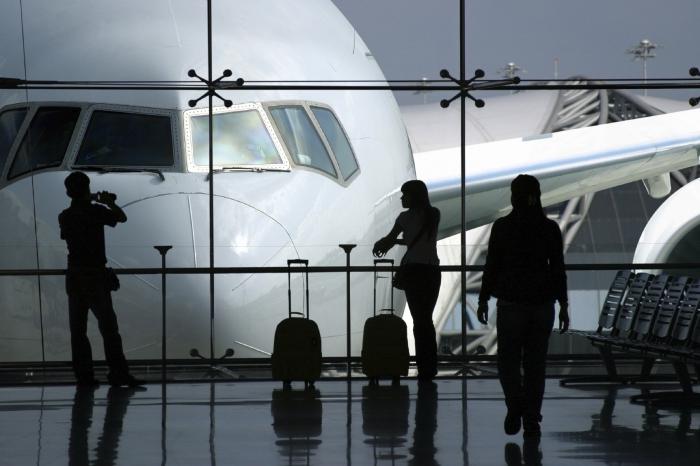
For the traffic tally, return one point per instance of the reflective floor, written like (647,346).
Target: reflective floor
(255,423)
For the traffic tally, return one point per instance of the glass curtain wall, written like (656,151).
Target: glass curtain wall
(299,166)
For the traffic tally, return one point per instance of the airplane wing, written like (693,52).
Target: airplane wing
(567,164)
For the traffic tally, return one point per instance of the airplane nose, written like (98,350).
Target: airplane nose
(244,236)
(248,306)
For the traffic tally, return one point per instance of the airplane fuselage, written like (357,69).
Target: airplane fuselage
(265,211)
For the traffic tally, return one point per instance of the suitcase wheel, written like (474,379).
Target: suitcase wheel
(287,385)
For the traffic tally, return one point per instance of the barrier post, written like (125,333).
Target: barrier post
(348,249)
(163,250)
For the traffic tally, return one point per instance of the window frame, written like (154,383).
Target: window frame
(303,104)
(267,122)
(73,151)
(354,174)
(33,109)
(307,104)
(181,138)
(19,137)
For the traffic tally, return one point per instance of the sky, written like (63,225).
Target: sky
(412,39)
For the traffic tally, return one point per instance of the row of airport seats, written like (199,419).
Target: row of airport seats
(656,317)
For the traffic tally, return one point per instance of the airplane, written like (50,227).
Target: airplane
(671,235)
(296,172)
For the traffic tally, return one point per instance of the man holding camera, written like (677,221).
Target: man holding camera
(88,282)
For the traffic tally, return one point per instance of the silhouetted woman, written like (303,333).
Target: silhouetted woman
(419,225)
(525,271)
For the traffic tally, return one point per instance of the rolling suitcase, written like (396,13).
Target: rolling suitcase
(296,353)
(384,341)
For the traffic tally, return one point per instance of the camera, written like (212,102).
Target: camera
(103,197)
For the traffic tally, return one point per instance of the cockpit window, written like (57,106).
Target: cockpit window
(241,139)
(10,122)
(46,140)
(127,139)
(301,138)
(337,140)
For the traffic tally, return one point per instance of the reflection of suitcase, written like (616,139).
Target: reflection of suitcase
(385,410)
(296,419)
(384,341)
(297,413)
(385,420)
(296,354)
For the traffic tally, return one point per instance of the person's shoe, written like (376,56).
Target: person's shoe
(87,382)
(122,380)
(511,424)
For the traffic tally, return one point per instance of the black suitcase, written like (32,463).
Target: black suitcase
(296,353)
(384,340)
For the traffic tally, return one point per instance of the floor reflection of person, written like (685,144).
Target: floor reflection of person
(81,420)
(525,271)
(89,283)
(107,450)
(530,455)
(421,268)
(423,448)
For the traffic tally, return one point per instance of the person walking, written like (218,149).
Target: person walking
(524,270)
(420,272)
(89,283)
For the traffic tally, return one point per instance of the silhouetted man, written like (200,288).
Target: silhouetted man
(525,272)
(88,282)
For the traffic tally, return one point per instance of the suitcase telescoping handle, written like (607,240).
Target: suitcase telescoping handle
(305,263)
(376,263)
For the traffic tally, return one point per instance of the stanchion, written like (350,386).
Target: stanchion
(163,250)
(348,249)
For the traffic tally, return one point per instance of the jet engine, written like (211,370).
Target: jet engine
(673,232)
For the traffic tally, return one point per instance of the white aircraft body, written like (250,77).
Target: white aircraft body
(298,172)
(673,231)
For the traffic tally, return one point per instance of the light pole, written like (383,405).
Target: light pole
(510,71)
(423,82)
(645,50)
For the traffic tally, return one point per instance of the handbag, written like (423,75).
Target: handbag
(400,278)
(398,281)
